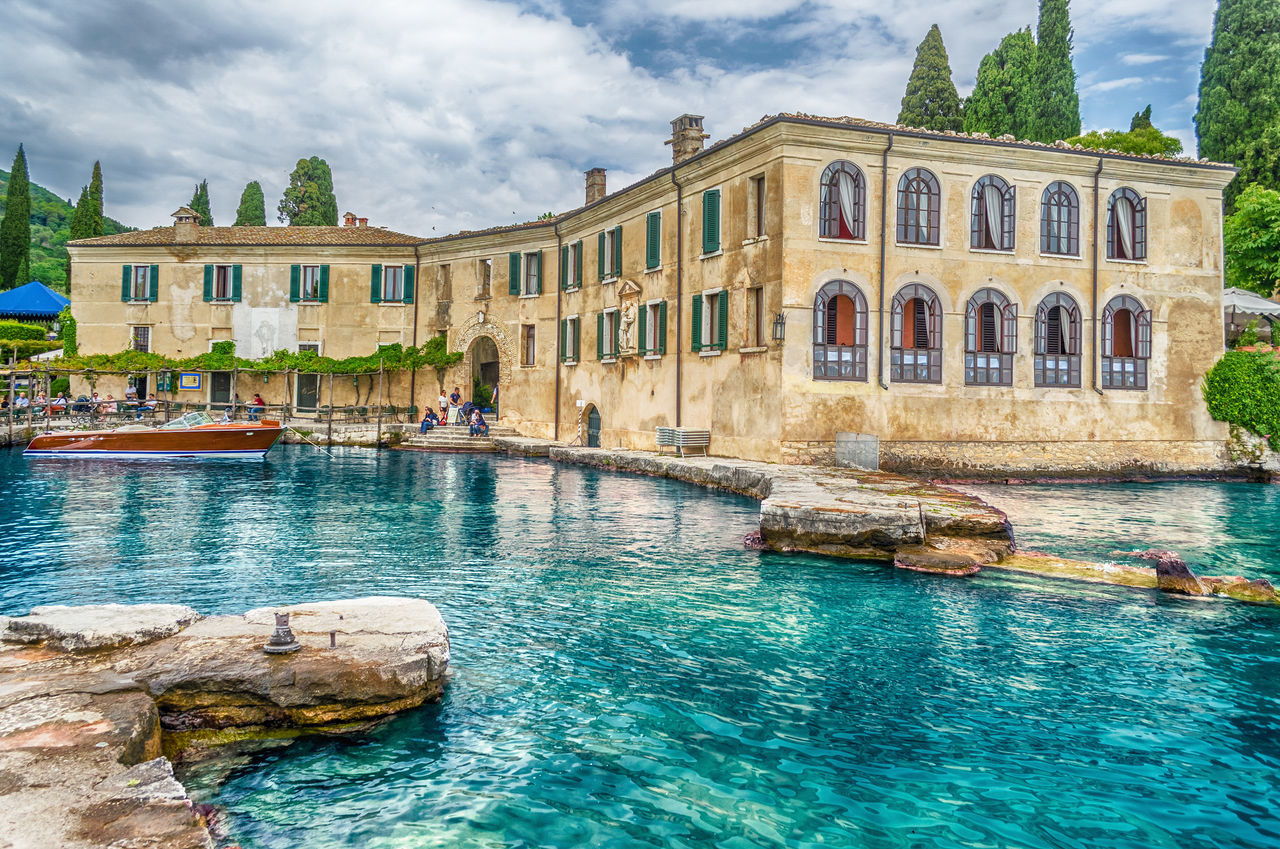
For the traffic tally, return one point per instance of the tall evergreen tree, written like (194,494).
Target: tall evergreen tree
(253,206)
(1003,100)
(1238,119)
(308,199)
(15,229)
(200,203)
(1057,101)
(1141,120)
(81,222)
(931,101)
(95,199)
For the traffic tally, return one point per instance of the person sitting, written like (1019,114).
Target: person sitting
(59,404)
(479,427)
(429,421)
(109,406)
(22,401)
(4,403)
(226,416)
(147,406)
(131,393)
(256,407)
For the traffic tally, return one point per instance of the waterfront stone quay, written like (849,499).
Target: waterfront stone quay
(96,703)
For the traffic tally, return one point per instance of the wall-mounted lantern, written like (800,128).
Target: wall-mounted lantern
(779,327)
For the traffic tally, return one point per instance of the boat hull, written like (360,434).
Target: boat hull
(210,441)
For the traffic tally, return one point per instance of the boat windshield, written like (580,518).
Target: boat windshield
(189,420)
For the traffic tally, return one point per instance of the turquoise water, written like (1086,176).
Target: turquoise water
(626,675)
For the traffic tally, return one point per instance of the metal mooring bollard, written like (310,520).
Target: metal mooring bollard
(282,640)
(333,639)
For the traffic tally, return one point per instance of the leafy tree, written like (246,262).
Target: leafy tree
(1238,119)
(1003,99)
(1251,241)
(81,223)
(308,199)
(930,101)
(95,200)
(1243,388)
(1057,112)
(200,203)
(436,354)
(70,346)
(1148,140)
(15,230)
(1141,120)
(253,207)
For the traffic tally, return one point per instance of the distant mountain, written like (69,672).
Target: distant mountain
(50,228)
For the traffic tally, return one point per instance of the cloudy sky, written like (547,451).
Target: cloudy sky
(460,114)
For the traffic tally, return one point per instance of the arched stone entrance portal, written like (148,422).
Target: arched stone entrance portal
(487,353)
(485,369)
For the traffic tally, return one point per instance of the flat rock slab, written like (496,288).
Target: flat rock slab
(95,627)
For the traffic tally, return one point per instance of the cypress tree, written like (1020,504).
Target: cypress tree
(15,229)
(1238,119)
(931,101)
(81,222)
(308,199)
(253,207)
(200,203)
(1057,101)
(1003,100)
(1141,120)
(95,200)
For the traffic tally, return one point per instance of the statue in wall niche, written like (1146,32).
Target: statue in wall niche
(626,326)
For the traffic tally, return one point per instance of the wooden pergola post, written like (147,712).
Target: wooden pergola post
(330,424)
(378,440)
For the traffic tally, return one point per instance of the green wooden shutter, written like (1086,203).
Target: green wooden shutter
(662,327)
(577,263)
(153,284)
(208,283)
(295,283)
(599,336)
(653,243)
(711,221)
(237,282)
(409,272)
(600,255)
(722,337)
(126,283)
(538,275)
(564,268)
(324,284)
(644,337)
(564,339)
(577,339)
(375,284)
(695,330)
(617,251)
(513,273)
(616,325)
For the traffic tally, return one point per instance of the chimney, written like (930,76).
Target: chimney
(364,222)
(595,185)
(349,219)
(186,222)
(686,137)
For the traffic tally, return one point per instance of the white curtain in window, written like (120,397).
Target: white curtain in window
(922,211)
(1124,226)
(845,190)
(992,201)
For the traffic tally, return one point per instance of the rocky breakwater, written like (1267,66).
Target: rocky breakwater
(96,700)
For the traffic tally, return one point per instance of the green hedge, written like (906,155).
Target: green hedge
(1243,389)
(25,347)
(18,330)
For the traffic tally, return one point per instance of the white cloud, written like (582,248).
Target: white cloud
(1142,58)
(1112,85)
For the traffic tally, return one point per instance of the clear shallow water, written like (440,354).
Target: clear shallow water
(627,675)
(1218,528)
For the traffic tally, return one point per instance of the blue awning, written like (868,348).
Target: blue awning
(34,300)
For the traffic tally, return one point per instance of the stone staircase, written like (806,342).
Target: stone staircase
(455,438)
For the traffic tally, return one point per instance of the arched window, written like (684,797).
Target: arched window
(992,215)
(1126,343)
(1126,225)
(839,332)
(1057,357)
(990,339)
(915,347)
(918,208)
(844,202)
(1060,220)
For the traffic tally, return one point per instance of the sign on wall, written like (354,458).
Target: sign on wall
(190,380)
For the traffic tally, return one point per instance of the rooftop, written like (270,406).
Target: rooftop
(373,237)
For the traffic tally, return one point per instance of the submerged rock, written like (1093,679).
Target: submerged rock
(1173,575)
(954,564)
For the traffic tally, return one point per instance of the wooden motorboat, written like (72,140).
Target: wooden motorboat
(193,435)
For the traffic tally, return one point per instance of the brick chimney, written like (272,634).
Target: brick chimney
(349,219)
(364,222)
(186,221)
(686,137)
(595,185)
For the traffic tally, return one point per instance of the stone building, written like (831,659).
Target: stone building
(975,304)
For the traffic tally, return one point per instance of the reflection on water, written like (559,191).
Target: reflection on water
(626,674)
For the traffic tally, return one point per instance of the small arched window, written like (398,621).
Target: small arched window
(1057,357)
(843,203)
(915,348)
(990,339)
(839,332)
(1060,220)
(1126,343)
(1126,225)
(992,215)
(919,202)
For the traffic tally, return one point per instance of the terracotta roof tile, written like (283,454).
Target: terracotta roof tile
(250,236)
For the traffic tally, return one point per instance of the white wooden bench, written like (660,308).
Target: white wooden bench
(682,438)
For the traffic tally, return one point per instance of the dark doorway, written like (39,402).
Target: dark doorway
(593,428)
(220,388)
(308,393)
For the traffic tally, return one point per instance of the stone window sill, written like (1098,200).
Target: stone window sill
(714,352)
(754,240)
(711,255)
(756,349)
(915,245)
(653,356)
(833,240)
(652,270)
